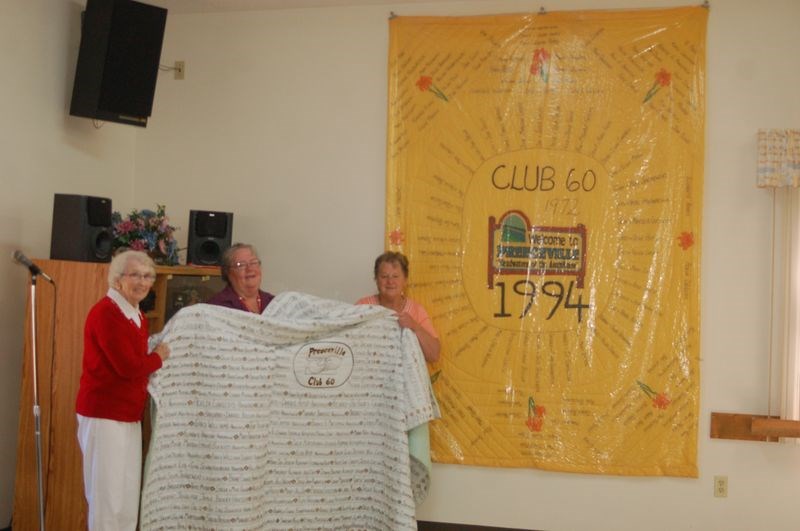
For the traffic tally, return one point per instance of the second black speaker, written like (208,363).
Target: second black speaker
(81,228)
(209,236)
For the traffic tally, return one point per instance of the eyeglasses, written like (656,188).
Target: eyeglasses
(242,265)
(147,277)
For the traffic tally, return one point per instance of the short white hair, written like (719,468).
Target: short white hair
(226,261)
(120,262)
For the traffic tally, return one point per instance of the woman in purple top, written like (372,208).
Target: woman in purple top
(241,271)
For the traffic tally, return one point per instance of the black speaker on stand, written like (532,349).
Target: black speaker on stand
(209,236)
(81,228)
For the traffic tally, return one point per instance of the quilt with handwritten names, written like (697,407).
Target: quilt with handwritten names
(294,419)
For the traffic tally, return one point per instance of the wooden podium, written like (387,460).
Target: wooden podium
(59,347)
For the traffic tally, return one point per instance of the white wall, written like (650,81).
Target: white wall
(281,119)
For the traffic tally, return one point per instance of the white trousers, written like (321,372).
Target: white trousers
(112,472)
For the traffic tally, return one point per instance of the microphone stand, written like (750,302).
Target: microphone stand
(37,426)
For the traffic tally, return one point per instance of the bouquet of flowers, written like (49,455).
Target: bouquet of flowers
(148,231)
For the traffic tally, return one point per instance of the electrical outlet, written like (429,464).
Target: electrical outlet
(179,69)
(720,486)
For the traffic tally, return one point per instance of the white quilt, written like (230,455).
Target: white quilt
(294,419)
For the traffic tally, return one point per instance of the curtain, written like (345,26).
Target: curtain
(779,169)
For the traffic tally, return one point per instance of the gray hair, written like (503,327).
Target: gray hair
(227,258)
(120,262)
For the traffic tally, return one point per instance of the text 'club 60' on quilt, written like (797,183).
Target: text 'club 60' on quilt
(294,419)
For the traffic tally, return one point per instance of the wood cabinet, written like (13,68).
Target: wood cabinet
(180,286)
(60,315)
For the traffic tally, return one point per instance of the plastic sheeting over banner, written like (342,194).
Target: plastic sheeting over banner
(544,177)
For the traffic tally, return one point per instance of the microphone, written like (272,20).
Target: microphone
(33,268)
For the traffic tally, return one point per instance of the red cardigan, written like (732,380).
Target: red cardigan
(116,365)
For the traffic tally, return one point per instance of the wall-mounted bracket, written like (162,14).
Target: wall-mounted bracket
(747,427)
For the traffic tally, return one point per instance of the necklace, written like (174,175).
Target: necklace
(398,307)
(258,304)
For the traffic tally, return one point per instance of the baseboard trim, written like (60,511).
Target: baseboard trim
(444,526)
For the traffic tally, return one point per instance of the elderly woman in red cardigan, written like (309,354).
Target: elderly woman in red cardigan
(113,392)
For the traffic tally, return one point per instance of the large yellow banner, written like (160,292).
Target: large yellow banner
(544,177)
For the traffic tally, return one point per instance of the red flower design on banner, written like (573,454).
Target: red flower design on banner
(686,240)
(535,415)
(396,237)
(540,65)
(425,83)
(663,79)
(660,400)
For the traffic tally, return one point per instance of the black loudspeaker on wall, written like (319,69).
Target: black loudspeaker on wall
(115,78)
(81,228)
(209,236)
